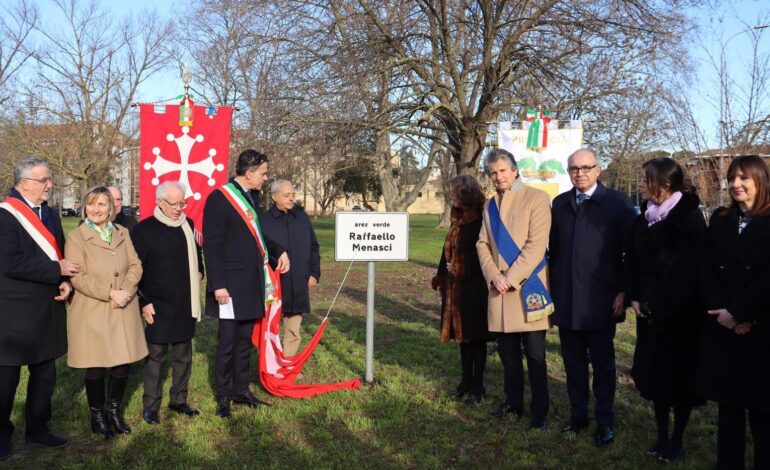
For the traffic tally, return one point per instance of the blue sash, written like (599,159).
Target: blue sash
(537,300)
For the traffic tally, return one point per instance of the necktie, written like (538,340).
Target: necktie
(581,198)
(37,211)
(250,198)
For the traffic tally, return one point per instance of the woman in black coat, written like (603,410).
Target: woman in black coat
(462,287)
(668,237)
(735,364)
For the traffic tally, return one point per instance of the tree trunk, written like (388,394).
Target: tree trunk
(471,147)
(447,173)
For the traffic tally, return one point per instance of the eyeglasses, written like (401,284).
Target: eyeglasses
(178,205)
(582,169)
(45,180)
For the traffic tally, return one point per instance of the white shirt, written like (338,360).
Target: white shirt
(589,192)
(40,214)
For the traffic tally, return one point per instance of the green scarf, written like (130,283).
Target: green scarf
(104,233)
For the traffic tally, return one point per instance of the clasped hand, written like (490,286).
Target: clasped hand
(725,319)
(119,298)
(501,284)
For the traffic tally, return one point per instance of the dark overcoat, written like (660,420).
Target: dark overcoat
(233,260)
(165,283)
(586,249)
(295,232)
(473,296)
(664,262)
(33,326)
(127,221)
(735,369)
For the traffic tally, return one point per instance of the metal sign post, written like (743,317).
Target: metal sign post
(370,323)
(371,237)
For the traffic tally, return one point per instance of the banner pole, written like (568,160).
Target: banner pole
(370,324)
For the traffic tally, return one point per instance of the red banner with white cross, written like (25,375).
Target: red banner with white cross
(192,149)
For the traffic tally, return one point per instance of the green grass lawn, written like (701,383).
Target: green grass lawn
(406,420)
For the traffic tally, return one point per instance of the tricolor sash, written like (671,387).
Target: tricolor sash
(537,300)
(33,226)
(251,219)
(276,371)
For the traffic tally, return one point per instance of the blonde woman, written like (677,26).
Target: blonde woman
(105,329)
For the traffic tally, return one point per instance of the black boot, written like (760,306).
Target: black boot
(115,397)
(466,362)
(95,394)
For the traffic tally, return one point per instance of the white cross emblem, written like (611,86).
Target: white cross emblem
(184,143)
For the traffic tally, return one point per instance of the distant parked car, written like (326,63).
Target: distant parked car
(64,212)
(357,209)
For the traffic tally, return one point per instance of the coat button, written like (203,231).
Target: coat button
(117,274)
(748,267)
(721,267)
(112,253)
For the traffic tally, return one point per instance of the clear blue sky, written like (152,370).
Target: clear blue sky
(718,25)
(715,26)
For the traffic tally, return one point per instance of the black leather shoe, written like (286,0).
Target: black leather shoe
(505,409)
(671,454)
(604,435)
(574,427)
(50,440)
(250,400)
(223,408)
(5,447)
(539,425)
(462,388)
(184,408)
(151,417)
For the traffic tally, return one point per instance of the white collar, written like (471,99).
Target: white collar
(30,203)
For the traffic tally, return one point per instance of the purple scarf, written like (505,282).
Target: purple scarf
(655,213)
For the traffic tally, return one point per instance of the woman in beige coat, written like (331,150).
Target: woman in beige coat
(105,332)
(519,302)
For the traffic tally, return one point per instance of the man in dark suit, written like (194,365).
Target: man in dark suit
(127,221)
(590,232)
(235,293)
(285,222)
(33,288)
(169,294)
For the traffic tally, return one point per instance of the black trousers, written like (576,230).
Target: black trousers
(42,380)
(578,348)
(509,347)
(731,438)
(181,366)
(233,356)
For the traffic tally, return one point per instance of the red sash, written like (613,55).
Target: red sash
(28,214)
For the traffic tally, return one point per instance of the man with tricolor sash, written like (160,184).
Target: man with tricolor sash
(33,288)
(512,251)
(237,256)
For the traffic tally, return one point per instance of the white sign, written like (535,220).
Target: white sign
(371,236)
(544,168)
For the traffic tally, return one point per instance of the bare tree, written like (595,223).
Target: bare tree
(17,21)
(78,104)
(16,24)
